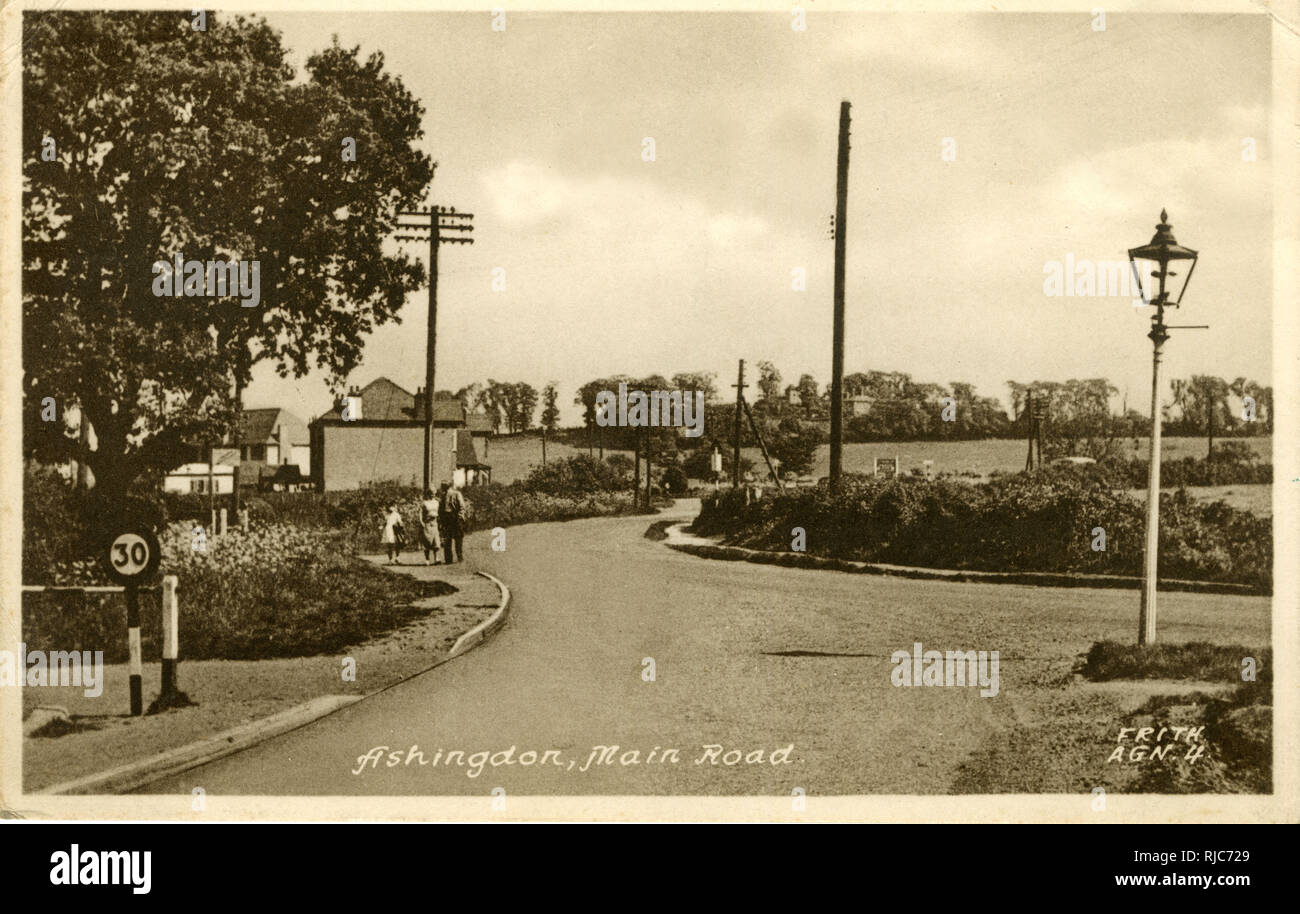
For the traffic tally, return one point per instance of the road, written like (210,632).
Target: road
(594,602)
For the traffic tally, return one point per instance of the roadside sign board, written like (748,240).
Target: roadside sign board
(886,466)
(132,554)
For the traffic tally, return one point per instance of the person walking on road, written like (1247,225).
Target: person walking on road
(453,515)
(429,539)
(394,536)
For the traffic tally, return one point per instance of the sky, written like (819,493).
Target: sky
(1068,142)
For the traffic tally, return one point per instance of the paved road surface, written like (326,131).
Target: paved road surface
(593,598)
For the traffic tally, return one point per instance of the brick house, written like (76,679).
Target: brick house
(382,440)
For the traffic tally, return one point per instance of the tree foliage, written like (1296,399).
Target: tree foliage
(202,143)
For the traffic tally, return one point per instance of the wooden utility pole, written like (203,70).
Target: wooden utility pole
(636,468)
(649,464)
(543,446)
(837,340)
(1029,429)
(434,220)
(735,457)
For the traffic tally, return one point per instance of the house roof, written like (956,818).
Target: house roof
(384,401)
(259,426)
(466,455)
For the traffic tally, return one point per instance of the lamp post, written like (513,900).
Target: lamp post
(1160,252)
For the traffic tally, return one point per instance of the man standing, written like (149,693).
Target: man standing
(453,514)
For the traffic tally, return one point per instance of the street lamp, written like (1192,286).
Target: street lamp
(1160,253)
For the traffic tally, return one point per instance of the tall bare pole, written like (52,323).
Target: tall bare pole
(649,466)
(431,351)
(837,343)
(636,468)
(1147,607)
(735,457)
(435,220)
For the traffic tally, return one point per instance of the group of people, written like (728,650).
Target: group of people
(443,519)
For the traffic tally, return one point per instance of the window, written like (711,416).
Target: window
(198,485)
(257,452)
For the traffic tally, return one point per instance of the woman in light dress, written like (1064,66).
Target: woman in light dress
(394,535)
(429,539)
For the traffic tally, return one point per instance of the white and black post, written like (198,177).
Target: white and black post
(170,637)
(133,646)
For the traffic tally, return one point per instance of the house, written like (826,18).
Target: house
(859,405)
(194,477)
(793,396)
(376,434)
(269,439)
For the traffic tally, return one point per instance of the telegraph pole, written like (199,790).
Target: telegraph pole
(735,457)
(837,343)
(434,220)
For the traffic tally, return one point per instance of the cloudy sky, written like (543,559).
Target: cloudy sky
(1068,141)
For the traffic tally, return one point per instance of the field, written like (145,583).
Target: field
(982,457)
(512,458)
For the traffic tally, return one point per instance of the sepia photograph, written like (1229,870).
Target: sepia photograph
(520,414)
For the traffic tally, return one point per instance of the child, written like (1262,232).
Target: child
(394,536)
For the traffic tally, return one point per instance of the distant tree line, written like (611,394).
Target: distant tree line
(1080,417)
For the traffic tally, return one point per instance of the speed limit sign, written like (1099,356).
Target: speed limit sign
(132,554)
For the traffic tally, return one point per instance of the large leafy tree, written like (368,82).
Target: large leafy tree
(1078,421)
(206,143)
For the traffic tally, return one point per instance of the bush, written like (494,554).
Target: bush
(1234,463)
(1026,522)
(273,592)
(674,480)
(580,475)
(1108,660)
(697,462)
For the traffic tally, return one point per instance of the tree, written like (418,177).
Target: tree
(808,395)
(795,446)
(769,382)
(550,408)
(703,381)
(496,403)
(1207,407)
(210,147)
(1078,418)
(525,404)
(472,396)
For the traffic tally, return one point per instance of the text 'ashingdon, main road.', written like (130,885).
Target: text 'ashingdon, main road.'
(714,754)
